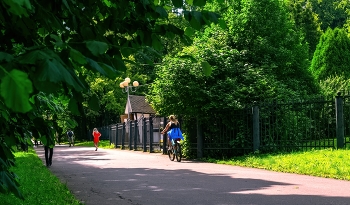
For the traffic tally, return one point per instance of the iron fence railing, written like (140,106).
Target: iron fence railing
(297,125)
(142,134)
(267,127)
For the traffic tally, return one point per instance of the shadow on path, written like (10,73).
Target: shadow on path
(128,177)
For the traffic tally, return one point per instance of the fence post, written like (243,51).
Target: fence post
(165,138)
(339,120)
(130,135)
(150,134)
(123,136)
(135,136)
(199,140)
(144,135)
(109,130)
(116,136)
(256,130)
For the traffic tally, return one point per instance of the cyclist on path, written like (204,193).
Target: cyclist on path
(172,124)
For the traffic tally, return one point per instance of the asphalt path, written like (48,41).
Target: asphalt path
(136,178)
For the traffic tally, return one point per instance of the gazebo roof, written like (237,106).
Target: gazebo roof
(138,104)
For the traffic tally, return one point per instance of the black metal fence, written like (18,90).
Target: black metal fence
(302,125)
(142,134)
(297,125)
(267,127)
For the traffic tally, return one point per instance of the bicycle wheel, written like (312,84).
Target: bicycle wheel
(171,154)
(178,153)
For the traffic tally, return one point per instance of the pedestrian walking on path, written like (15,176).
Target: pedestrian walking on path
(97,136)
(48,146)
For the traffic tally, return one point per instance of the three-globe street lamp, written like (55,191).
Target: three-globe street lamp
(126,88)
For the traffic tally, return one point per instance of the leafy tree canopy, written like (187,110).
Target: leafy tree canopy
(332,14)
(307,21)
(257,56)
(332,55)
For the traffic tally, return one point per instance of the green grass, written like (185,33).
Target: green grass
(37,184)
(328,163)
(102,144)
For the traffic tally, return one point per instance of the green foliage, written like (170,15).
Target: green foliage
(331,14)
(332,55)
(15,89)
(263,30)
(249,64)
(307,21)
(187,152)
(332,85)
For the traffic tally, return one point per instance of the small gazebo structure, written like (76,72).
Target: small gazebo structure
(136,108)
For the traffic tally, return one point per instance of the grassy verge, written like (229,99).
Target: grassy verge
(328,163)
(102,144)
(38,184)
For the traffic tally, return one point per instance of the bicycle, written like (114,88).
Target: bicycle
(175,150)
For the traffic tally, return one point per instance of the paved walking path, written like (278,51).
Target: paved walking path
(126,177)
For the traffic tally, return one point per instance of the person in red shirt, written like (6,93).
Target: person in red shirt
(97,136)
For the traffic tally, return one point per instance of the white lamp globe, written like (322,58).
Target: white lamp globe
(135,83)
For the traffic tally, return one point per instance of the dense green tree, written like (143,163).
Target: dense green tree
(307,21)
(332,14)
(258,56)
(332,56)
(264,31)
(183,88)
(345,5)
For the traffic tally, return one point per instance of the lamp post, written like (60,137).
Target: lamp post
(126,88)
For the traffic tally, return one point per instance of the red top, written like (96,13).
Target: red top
(96,136)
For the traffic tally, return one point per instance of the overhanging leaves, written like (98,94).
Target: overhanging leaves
(199,2)
(77,56)
(5,57)
(162,12)
(73,106)
(206,68)
(189,31)
(54,71)
(94,103)
(95,66)
(9,183)
(177,3)
(19,7)
(97,47)
(15,89)
(156,44)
